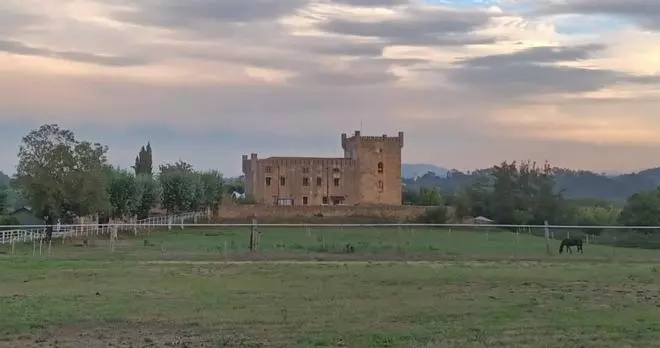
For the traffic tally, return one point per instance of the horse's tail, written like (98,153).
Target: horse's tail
(561,248)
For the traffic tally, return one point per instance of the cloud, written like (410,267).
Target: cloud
(372,3)
(536,71)
(492,83)
(12,21)
(16,47)
(419,25)
(644,12)
(195,13)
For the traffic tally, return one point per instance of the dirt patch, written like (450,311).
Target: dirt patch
(124,335)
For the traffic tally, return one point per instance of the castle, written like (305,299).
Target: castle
(369,173)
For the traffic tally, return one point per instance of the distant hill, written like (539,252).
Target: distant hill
(411,170)
(576,184)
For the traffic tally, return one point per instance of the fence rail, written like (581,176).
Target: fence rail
(29,233)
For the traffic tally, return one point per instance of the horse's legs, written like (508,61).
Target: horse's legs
(569,249)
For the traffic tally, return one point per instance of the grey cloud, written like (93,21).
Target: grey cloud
(189,13)
(372,3)
(536,55)
(533,80)
(343,78)
(17,47)
(432,26)
(645,12)
(12,22)
(346,48)
(529,73)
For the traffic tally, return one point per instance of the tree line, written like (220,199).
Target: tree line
(62,177)
(522,193)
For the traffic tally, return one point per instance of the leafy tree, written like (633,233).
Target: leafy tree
(642,209)
(232,185)
(144,161)
(148,194)
(60,176)
(212,189)
(181,187)
(423,197)
(122,192)
(4,199)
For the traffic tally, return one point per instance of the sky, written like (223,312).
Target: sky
(470,82)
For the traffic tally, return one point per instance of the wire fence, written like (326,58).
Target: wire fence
(190,237)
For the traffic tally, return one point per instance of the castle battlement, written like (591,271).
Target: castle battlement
(362,176)
(357,137)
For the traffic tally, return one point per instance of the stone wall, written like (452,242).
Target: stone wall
(319,214)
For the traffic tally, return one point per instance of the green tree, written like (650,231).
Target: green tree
(144,161)
(148,194)
(4,199)
(181,187)
(122,192)
(60,176)
(430,197)
(504,194)
(642,209)
(212,190)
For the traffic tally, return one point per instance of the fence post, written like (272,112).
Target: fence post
(169,223)
(547,237)
(253,235)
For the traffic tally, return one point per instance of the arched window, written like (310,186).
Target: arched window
(381,186)
(282,181)
(380,167)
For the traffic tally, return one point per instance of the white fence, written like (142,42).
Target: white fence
(29,233)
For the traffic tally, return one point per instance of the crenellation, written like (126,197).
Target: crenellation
(369,173)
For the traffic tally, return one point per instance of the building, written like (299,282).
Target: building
(369,173)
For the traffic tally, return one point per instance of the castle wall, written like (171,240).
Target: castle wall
(369,173)
(321,214)
(307,181)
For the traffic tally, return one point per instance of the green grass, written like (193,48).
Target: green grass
(461,304)
(369,243)
(158,295)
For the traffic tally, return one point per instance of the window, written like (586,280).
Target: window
(305,170)
(336,181)
(319,181)
(325,200)
(305,181)
(381,186)
(305,200)
(380,167)
(282,181)
(268,179)
(269,169)
(335,170)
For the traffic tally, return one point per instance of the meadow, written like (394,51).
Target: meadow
(326,243)
(202,288)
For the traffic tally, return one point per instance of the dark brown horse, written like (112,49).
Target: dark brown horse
(569,242)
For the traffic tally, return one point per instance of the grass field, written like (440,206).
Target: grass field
(374,243)
(185,291)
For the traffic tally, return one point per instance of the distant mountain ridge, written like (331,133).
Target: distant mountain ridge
(411,170)
(575,184)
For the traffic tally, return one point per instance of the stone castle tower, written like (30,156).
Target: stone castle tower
(368,173)
(378,167)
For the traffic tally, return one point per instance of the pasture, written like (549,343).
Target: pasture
(198,288)
(325,243)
